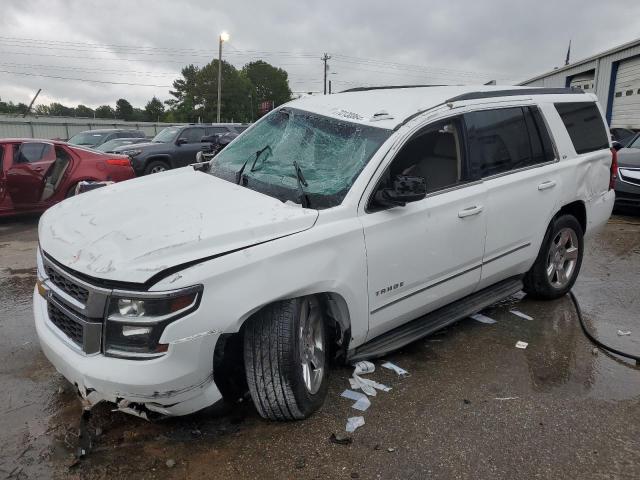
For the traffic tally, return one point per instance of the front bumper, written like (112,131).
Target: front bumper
(178,383)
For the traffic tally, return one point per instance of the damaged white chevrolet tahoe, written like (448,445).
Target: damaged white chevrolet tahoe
(341,226)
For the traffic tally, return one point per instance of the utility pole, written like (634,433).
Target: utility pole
(31,104)
(224,37)
(325,58)
(329,87)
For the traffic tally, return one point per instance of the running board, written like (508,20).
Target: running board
(433,321)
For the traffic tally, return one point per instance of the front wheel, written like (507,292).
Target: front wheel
(286,360)
(558,264)
(155,166)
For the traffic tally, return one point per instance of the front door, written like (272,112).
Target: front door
(26,176)
(427,253)
(186,152)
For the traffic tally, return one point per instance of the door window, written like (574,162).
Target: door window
(215,130)
(193,135)
(585,126)
(435,154)
(34,152)
(498,141)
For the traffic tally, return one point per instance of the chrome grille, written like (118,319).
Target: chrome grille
(71,328)
(79,293)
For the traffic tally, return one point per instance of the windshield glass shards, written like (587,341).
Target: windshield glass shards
(331,152)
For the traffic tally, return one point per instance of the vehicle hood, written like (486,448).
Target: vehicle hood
(132,230)
(629,157)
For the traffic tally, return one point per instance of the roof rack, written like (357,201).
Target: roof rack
(388,87)
(515,92)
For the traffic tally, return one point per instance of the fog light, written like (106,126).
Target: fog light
(131,330)
(130,308)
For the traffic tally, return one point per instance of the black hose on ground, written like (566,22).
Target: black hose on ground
(594,339)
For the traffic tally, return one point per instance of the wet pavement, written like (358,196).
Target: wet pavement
(473,406)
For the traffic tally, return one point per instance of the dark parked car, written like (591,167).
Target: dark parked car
(111,145)
(175,147)
(95,138)
(36,174)
(628,180)
(622,135)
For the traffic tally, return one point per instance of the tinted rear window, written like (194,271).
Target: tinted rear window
(585,126)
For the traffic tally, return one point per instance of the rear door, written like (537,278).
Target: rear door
(511,151)
(26,176)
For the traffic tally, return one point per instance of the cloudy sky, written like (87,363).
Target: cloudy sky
(137,48)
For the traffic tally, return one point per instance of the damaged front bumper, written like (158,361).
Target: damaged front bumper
(178,383)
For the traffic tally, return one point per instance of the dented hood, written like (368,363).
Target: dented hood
(132,230)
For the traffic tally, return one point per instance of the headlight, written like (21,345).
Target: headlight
(136,320)
(132,152)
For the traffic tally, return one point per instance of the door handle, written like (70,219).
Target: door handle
(38,169)
(546,185)
(467,212)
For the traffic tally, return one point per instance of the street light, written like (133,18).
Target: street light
(224,37)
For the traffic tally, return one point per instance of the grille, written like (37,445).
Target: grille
(79,293)
(629,179)
(68,325)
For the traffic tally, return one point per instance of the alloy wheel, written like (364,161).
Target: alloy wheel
(562,258)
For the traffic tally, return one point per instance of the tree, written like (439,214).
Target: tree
(124,109)
(83,111)
(41,109)
(105,111)
(183,105)
(154,110)
(270,83)
(236,95)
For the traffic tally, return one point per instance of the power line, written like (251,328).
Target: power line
(84,79)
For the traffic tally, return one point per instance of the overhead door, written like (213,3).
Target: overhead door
(585,81)
(626,100)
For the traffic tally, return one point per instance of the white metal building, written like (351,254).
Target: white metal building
(613,75)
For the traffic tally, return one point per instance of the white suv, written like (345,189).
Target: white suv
(336,227)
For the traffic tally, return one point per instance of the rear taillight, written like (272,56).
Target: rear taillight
(614,169)
(119,162)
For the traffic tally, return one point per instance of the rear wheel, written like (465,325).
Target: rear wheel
(286,361)
(156,166)
(558,264)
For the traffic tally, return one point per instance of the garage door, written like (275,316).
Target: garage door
(626,99)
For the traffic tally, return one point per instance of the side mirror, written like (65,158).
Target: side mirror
(405,189)
(181,141)
(616,145)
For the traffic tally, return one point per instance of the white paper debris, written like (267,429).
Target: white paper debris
(622,333)
(368,386)
(395,368)
(521,315)
(520,344)
(362,401)
(506,398)
(353,423)
(482,318)
(363,367)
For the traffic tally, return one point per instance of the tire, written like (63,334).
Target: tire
(275,355)
(558,263)
(155,166)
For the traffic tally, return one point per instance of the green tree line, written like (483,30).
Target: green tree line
(194,97)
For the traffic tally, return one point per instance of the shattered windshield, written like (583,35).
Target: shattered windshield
(331,153)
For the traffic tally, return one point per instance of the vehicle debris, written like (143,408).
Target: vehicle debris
(363,367)
(400,371)
(521,344)
(353,423)
(340,439)
(624,333)
(521,315)
(503,399)
(362,401)
(367,386)
(478,317)
(519,295)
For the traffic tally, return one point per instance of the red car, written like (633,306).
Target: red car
(36,174)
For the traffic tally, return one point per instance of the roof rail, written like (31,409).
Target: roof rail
(388,87)
(515,92)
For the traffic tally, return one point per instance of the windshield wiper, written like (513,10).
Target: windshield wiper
(258,153)
(304,198)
